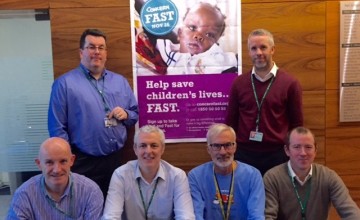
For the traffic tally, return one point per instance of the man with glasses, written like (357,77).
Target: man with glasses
(225,188)
(92,108)
(300,189)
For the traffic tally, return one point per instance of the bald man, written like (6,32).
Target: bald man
(56,193)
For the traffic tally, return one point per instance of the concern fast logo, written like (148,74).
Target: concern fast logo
(159,17)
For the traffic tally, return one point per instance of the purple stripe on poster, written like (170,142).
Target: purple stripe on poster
(183,105)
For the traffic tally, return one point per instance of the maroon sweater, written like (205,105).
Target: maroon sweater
(281,110)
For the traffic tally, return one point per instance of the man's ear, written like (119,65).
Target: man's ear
(37,161)
(134,148)
(286,149)
(73,157)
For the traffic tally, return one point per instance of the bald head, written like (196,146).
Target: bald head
(54,144)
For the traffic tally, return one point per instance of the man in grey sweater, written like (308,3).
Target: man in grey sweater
(300,189)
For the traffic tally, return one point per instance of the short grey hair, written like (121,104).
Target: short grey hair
(216,129)
(149,129)
(262,32)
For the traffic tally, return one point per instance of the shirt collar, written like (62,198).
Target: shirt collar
(293,175)
(160,173)
(272,72)
(88,72)
(66,192)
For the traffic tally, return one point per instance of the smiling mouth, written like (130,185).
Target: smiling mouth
(57,176)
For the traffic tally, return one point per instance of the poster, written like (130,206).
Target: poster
(349,61)
(185,57)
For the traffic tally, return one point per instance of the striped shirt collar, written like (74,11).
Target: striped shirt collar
(66,192)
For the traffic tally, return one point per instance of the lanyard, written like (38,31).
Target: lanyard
(106,106)
(219,195)
(146,208)
(303,203)
(257,99)
(71,206)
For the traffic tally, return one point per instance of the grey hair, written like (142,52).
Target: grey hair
(262,32)
(216,129)
(149,129)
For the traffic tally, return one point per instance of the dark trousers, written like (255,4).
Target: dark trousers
(99,169)
(263,161)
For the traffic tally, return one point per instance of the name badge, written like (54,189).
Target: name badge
(109,122)
(256,136)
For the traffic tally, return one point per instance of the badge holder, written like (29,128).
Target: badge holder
(256,136)
(110,122)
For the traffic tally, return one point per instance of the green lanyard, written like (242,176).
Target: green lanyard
(146,208)
(303,204)
(106,106)
(219,195)
(71,206)
(257,99)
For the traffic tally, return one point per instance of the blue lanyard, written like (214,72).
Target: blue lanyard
(106,106)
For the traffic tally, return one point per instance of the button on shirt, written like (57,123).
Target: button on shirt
(172,199)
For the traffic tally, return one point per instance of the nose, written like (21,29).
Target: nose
(56,167)
(302,150)
(222,150)
(258,51)
(147,148)
(97,50)
(198,37)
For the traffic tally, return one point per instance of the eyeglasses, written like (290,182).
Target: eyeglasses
(217,147)
(93,48)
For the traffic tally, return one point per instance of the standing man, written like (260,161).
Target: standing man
(149,187)
(224,188)
(92,108)
(264,105)
(301,189)
(56,193)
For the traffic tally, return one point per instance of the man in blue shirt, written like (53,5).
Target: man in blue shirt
(225,188)
(92,107)
(149,187)
(56,193)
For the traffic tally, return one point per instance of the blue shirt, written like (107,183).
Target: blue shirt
(77,110)
(249,193)
(82,199)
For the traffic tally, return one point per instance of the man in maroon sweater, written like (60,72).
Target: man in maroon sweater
(265,103)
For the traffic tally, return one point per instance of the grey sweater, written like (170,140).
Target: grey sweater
(326,188)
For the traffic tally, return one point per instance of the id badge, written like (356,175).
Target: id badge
(256,136)
(109,122)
